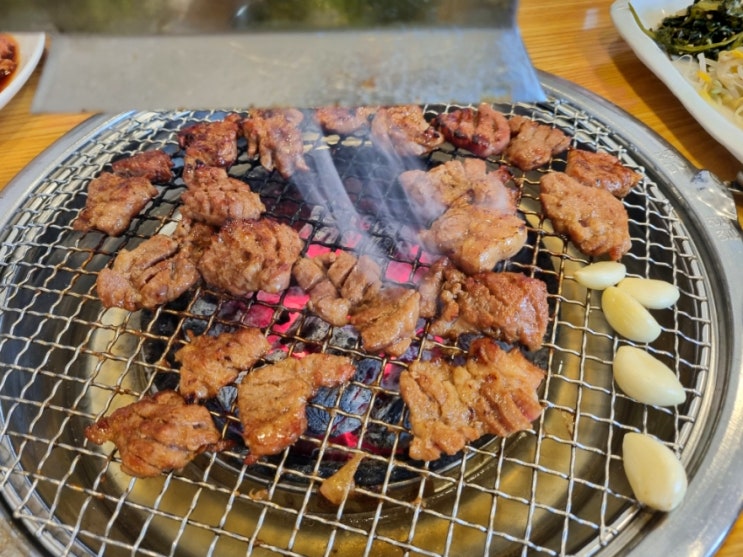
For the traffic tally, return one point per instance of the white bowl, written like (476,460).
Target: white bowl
(651,12)
(30,46)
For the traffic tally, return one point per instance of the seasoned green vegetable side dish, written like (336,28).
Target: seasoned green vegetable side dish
(707,26)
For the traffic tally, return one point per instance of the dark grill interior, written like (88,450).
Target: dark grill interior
(554,490)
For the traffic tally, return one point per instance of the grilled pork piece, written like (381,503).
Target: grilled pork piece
(495,392)
(209,144)
(344,290)
(214,197)
(475,238)
(193,238)
(250,255)
(431,285)
(387,319)
(113,201)
(272,400)
(533,144)
(336,282)
(594,220)
(209,362)
(476,223)
(274,136)
(601,170)
(342,120)
(405,131)
(155,165)
(153,273)
(506,306)
(325,300)
(483,131)
(432,192)
(158,434)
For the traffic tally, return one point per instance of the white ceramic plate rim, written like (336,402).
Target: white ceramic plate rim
(651,12)
(31,46)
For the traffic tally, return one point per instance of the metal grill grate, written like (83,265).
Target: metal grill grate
(557,489)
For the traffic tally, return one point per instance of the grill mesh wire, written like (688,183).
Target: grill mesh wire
(557,489)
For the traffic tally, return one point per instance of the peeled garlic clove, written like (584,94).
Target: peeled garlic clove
(656,476)
(628,317)
(598,276)
(651,293)
(645,378)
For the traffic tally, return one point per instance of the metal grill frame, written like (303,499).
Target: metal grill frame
(705,435)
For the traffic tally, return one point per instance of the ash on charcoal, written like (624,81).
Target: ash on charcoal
(205,304)
(309,329)
(367,370)
(344,337)
(354,400)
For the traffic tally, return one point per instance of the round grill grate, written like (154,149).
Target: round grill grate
(557,489)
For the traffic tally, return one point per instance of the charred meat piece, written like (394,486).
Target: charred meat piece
(336,282)
(274,135)
(483,131)
(594,220)
(405,131)
(432,192)
(158,434)
(214,197)
(506,306)
(113,201)
(387,319)
(601,170)
(533,144)
(209,144)
(342,120)
(153,273)
(155,165)
(475,238)
(495,392)
(272,400)
(250,255)
(209,362)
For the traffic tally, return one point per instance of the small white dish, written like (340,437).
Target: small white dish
(30,46)
(651,13)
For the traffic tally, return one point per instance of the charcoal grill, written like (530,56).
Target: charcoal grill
(556,489)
